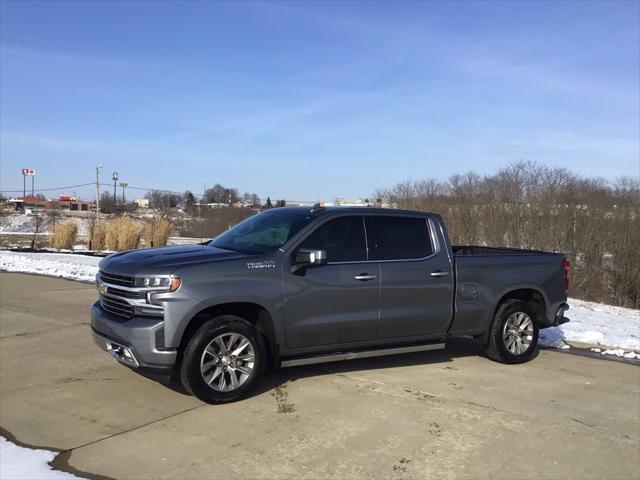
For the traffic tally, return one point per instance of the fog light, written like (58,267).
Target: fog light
(122,354)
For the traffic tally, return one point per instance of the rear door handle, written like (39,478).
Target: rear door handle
(363,277)
(439,273)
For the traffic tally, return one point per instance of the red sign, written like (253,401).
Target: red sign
(29,172)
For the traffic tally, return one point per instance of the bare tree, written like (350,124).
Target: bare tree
(528,205)
(39,223)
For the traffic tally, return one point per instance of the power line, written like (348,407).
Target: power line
(50,189)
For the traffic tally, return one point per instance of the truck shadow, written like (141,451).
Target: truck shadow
(456,348)
(274,380)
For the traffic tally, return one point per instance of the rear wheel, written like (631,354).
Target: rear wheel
(514,333)
(223,360)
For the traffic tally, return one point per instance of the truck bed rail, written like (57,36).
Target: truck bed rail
(467,250)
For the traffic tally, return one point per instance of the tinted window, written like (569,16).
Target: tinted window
(263,232)
(397,238)
(342,239)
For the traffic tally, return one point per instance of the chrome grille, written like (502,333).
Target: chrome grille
(119,292)
(116,306)
(114,279)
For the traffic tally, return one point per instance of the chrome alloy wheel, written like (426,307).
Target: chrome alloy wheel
(227,362)
(518,333)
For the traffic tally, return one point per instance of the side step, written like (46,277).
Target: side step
(336,357)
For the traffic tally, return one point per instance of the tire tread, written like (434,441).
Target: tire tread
(495,349)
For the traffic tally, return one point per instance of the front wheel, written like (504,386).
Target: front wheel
(514,333)
(223,360)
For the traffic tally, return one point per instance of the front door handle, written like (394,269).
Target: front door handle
(439,273)
(363,277)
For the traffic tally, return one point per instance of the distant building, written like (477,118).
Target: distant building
(65,202)
(341,202)
(214,205)
(31,203)
(69,202)
(142,202)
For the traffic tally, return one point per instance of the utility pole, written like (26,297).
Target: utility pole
(124,185)
(115,180)
(33,177)
(98,192)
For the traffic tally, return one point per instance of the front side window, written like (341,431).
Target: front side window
(342,238)
(263,232)
(398,238)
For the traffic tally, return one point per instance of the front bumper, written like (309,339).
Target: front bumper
(133,342)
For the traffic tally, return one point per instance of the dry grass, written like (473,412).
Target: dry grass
(122,234)
(64,235)
(99,236)
(156,232)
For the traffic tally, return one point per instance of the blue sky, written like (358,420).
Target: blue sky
(300,100)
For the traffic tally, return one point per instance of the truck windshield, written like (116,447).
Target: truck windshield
(263,232)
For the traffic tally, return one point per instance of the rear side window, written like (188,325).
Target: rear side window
(398,238)
(342,238)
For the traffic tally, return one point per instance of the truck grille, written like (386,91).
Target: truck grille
(125,293)
(113,279)
(116,307)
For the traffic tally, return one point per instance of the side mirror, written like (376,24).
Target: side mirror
(309,258)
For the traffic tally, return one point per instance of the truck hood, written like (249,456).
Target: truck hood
(163,260)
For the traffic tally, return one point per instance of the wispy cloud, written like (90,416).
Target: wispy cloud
(548,76)
(68,144)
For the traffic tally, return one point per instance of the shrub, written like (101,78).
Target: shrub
(156,232)
(111,236)
(98,236)
(64,235)
(122,234)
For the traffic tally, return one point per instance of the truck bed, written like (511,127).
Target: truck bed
(484,274)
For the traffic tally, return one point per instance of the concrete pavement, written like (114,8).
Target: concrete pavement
(447,414)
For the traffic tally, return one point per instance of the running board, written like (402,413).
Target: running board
(337,357)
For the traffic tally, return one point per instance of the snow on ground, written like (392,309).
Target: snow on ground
(19,463)
(618,352)
(73,267)
(21,224)
(598,324)
(16,224)
(593,323)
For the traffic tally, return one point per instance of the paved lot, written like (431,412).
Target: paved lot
(448,414)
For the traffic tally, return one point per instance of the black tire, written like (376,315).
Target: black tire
(497,347)
(190,368)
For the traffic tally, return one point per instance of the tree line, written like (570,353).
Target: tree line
(218,194)
(528,205)
(188,201)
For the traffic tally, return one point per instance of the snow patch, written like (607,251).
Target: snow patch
(20,463)
(16,224)
(618,352)
(597,324)
(72,267)
(20,224)
(552,338)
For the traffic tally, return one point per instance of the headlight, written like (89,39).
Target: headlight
(170,283)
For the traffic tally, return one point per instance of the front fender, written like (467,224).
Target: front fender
(208,286)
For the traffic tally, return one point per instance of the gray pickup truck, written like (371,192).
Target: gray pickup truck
(300,285)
